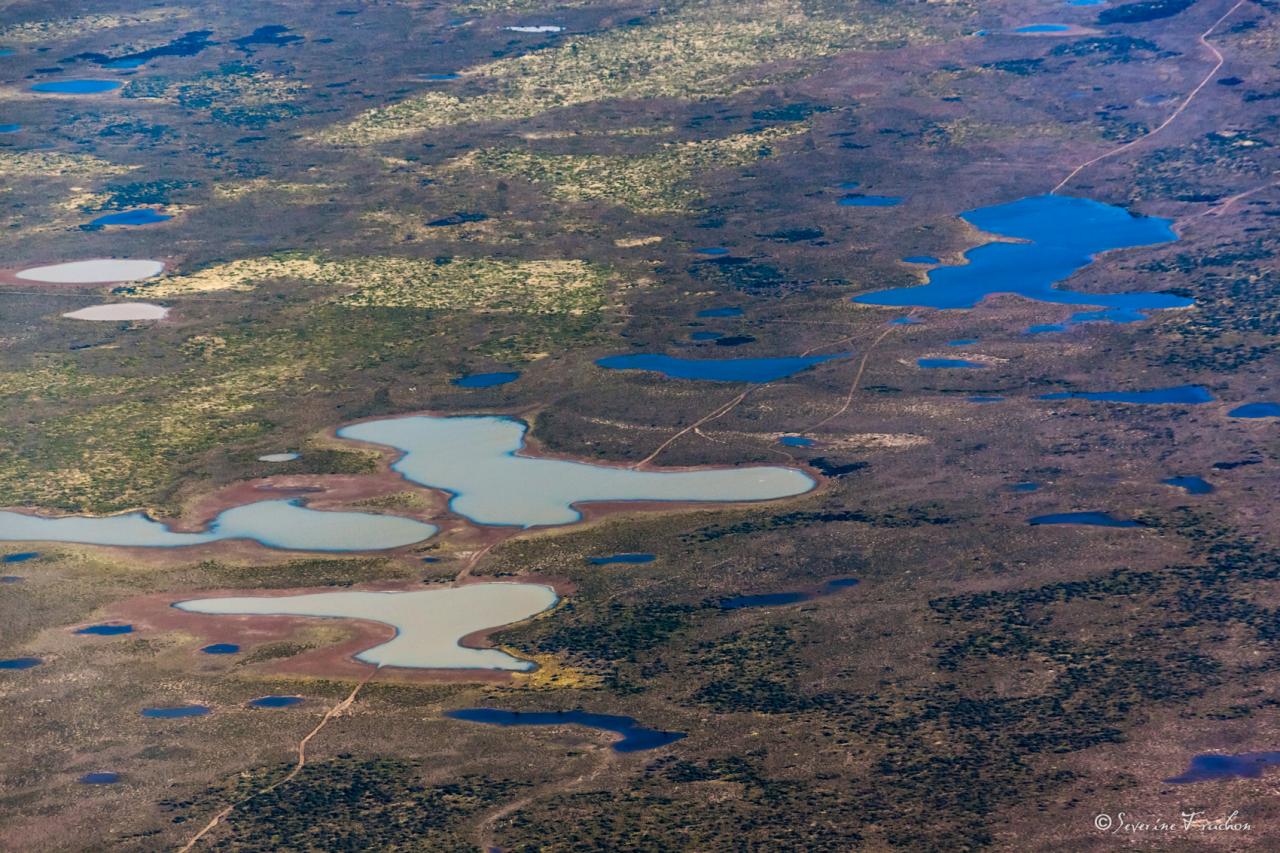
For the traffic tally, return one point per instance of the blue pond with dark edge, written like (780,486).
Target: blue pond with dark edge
(20,663)
(1256,410)
(1060,235)
(859,200)
(1212,767)
(716,370)
(621,558)
(221,649)
(712,250)
(1025,486)
(779,599)
(950,362)
(142,216)
(176,713)
(1190,485)
(10,128)
(962,342)
(485,380)
(77,87)
(100,778)
(727,311)
(635,738)
(275,701)
(1089,519)
(1043,28)
(920,259)
(1184,395)
(20,557)
(106,630)
(434,78)
(795,441)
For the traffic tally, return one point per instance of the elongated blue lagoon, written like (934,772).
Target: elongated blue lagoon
(716,369)
(1088,519)
(283,524)
(635,737)
(1212,767)
(477,459)
(1060,235)
(76,87)
(429,623)
(1256,410)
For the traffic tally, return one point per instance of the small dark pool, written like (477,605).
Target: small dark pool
(979,398)
(176,713)
(221,649)
(635,738)
(1211,767)
(106,630)
(962,342)
(20,557)
(101,778)
(142,216)
(1190,485)
(795,441)
(621,558)
(949,363)
(860,200)
(19,663)
(727,311)
(712,250)
(1092,519)
(11,579)
(779,599)
(705,336)
(1024,486)
(275,701)
(485,380)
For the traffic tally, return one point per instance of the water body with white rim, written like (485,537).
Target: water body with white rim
(477,459)
(96,271)
(429,623)
(284,524)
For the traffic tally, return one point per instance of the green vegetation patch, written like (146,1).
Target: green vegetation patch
(700,51)
(658,182)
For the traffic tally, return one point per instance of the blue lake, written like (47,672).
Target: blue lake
(717,369)
(19,663)
(1211,767)
(438,78)
(106,630)
(176,713)
(905,321)
(10,128)
(77,87)
(189,44)
(221,649)
(485,380)
(962,342)
(858,200)
(1190,485)
(1256,410)
(1182,395)
(142,216)
(1090,519)
(728,311)
(849,185)
(635,738)
(712,250)
(284,524)
(779,599)
(621,558)
(1062,234)
(795,441)
(275,701)
(1043,28)
(950,362)
(100,778)
(20,557)
(477,459)
(920,259)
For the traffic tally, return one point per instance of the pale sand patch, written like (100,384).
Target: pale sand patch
(120,311)
(96,271)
